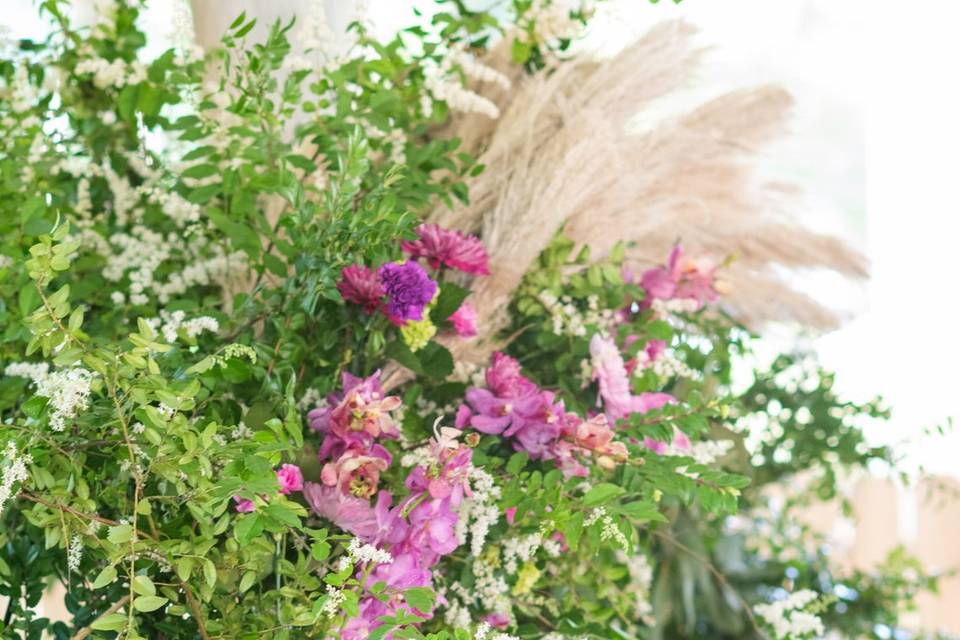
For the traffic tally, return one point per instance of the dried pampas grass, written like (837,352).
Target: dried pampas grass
(562,152)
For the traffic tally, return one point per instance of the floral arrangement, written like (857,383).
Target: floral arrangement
(253,389)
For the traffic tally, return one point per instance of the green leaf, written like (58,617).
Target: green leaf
(120,534)
(450,298)
(147,604)
(517,462)
(209,572)
(144,586)
(105,577)
(436,361)
(643,511)
(112,622)
(602,493)
(402,354)
(420,598)
(248,527)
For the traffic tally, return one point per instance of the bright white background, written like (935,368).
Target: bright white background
(874,144)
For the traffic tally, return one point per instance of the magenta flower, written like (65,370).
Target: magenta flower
(409,289)
(465,321)
(450,248)
(361,285)
(448,476)
(432,529)
(680,278)
(505,380)
(244,505)
(290,478)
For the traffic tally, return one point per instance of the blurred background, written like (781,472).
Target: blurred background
(874,155)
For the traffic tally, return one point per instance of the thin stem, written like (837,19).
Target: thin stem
(86,631)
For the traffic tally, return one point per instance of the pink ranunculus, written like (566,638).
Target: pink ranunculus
(465,321)
(290,478)
(244,505)
(347,512)
(447,247)
(361,285)
(357,472)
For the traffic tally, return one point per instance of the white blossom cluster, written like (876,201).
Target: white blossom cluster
(478,513)
(483,633)
(335,598)
(568,320)
(74,553)
(362,553)
(788,617)
(668,365)
(489,592)
(173,323)
(444,84)
(116,74)
(67,389)
(522,548)
(311,398)
(641,579)
(552,21)
(14,470)
(610,530)
(674,306)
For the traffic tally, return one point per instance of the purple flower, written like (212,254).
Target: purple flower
(361,285)
(611,373)
(355,416)
(290,478)
(448,247)
(409,289)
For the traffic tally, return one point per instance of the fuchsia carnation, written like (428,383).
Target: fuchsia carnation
(409,289)
(361,285)
(447,247)
(465,321)
(682,278)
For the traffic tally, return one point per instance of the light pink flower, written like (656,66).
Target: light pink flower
(465,321)
(611,374)
(450,248)
(290,478)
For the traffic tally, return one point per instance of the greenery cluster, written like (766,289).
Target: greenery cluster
(137,196)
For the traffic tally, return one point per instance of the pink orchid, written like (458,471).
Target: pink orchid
(465,321)
(682,278)
(357,472)
(448,247)
(355,416)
